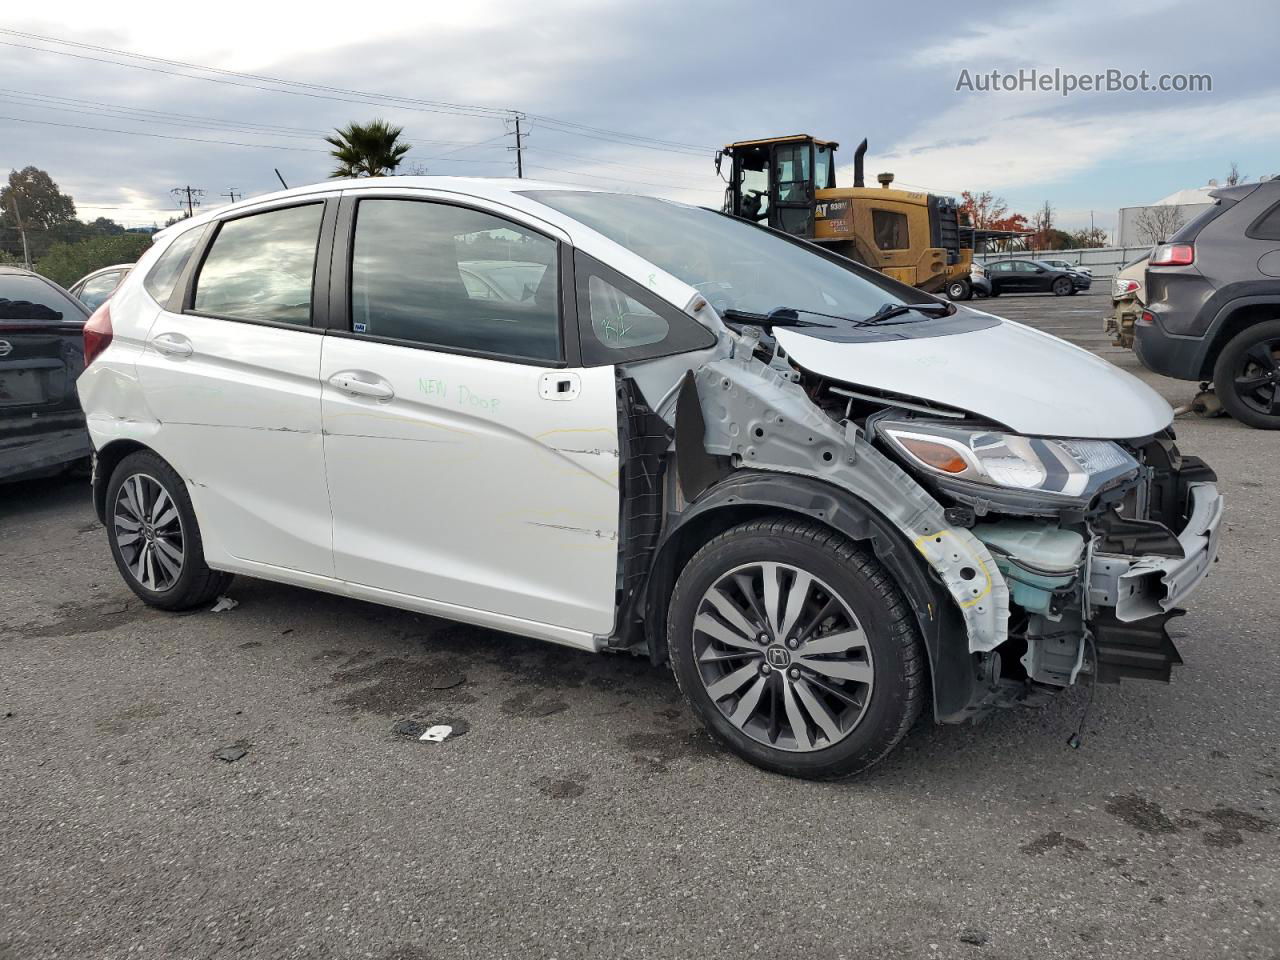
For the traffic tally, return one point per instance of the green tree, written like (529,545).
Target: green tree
(45,210)
(367,149)
(65,263)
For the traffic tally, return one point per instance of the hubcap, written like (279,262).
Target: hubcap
(1257,378)
(148,530)
(806,685)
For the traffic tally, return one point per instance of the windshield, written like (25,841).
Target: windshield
(733,264)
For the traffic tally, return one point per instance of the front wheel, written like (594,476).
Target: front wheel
(1247,376)
(1062,287)
(959,290)
(154,537)
(796,649)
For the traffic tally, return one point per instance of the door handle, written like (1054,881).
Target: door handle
(357,383)
(172,345)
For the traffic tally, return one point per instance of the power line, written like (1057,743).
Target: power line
(249,126)
(163,136)
(411,103)
(643,183)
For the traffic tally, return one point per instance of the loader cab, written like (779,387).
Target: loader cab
(774,181)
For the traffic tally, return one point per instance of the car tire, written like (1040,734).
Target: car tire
(825,714)
(959,290)
(994,292)
(154,536)
(1062,287)
(1246,376)
(1074,290)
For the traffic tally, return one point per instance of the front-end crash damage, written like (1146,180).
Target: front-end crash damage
(1027,581)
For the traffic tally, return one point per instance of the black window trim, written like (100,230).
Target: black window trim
(586,267)
(185,289)
(339,293)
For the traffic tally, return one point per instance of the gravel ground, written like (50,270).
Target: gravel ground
(582,813)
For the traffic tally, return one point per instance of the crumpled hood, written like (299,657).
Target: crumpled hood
(1029,381)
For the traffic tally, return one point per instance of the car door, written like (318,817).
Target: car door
(94,291)
(231,372)
(471,460)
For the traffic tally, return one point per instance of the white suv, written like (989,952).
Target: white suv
(624,424)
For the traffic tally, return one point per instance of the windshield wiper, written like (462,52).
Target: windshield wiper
(779,317)
(891,310)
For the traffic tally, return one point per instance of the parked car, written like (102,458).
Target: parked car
(1127,288)
(1033,276)
(1213,302)
(1069,267)
(93,289)
(41,327)
(976,285)
(829,500)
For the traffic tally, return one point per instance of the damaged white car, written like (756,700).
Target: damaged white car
(830,501)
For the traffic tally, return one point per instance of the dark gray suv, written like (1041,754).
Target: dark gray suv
(1213,303)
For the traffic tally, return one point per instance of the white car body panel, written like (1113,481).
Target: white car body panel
(241,420)
(1029,381)
(468,488)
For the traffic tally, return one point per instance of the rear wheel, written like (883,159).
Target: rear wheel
(154,537)
(959,290)
(1247,376)
(1062,287)
(796,649)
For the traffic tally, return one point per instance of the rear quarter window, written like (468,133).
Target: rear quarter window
(164,274)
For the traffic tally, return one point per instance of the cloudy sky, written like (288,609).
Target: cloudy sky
(634,96)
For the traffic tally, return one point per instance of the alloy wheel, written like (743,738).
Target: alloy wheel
(1256,379)
(147,528)
(783,657)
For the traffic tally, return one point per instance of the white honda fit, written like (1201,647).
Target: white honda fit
(829,500)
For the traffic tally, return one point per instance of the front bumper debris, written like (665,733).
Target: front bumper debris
(1149,586)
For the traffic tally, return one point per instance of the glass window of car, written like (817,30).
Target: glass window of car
(455,278)
(24,297)
(734,264)
(97,289)
(890,229)
(619,321)
(261,267)
(164,273)
(1267,226)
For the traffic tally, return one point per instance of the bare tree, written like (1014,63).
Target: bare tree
(1234,175)
(1157,224)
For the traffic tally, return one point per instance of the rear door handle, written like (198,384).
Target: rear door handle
(172,345)
(359,383)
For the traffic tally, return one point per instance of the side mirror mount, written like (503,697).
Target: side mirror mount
(1039,269)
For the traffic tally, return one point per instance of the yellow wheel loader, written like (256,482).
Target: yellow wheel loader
(789,183)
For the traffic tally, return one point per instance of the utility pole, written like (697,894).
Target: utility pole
(232,194)
(192,194)
(26,254)
(519,150)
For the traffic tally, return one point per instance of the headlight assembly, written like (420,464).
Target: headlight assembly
(1007,467)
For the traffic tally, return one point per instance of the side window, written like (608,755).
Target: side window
(96,291)
(890,229)
(620,321)
(261,267)
(1267,226)
(166,271)
(454,278)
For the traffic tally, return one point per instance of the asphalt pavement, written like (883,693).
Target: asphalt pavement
(250,782)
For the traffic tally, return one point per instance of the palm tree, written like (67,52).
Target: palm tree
(367,149)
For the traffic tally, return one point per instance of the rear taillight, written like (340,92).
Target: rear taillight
(97,333)
(1173,255)
(1146,319)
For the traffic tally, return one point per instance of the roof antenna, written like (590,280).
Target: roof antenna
(280,178)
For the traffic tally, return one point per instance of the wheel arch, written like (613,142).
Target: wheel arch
(1232,320)
(105,462)
(750,495)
